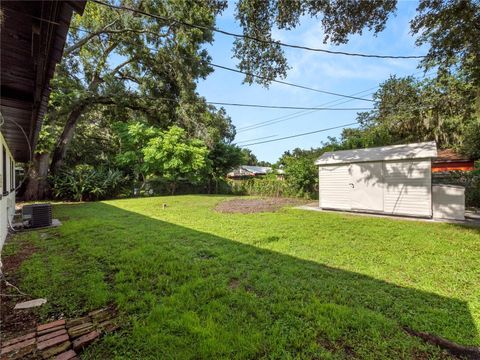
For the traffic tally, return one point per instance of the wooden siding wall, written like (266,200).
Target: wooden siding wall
(7,199)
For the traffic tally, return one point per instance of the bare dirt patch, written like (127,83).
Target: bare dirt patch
(12,262)
(15,322)
(234,283)
(248,206)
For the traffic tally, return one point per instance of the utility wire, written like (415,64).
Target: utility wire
(389,110)
(287,83)
(260,138)
(302,134)
(303,113)
(284,107)
(259,76)
(262,106)
(295,115)
(242,36)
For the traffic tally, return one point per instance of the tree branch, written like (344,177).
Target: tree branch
(96,79)
(121,65)
(87,38)
(106,30)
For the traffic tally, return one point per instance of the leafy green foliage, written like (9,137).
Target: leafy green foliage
(173,156)
(149,151)
(265,186)
(301,173)
(259,19)
(450,28)
(133,138)
(222,159)
(190,282)
(85,182)
(249,157)
(119,65)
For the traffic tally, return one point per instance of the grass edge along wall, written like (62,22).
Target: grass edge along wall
(7,189)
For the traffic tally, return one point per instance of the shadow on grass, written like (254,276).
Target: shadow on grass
(189,294)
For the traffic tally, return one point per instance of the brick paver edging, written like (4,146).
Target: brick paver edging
(61,339)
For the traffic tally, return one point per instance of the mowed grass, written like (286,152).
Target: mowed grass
(192,283)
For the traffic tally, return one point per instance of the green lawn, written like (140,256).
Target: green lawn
(194,283)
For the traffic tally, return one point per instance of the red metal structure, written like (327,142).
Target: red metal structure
(449,160)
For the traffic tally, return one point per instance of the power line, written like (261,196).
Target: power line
(295,115)
(242,36)
(289,84)
(302,134)
(283,107)
(390,110)
(261,106)
(260,138)
(303,113)
(261,77)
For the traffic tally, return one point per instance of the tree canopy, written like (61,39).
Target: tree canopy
(118,66)
(450,28)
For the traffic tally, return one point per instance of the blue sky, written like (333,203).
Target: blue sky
(341,74)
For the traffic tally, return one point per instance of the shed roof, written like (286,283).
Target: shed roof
(394,152)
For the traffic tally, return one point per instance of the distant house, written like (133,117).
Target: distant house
(250,171)
(246,171)
(449,160)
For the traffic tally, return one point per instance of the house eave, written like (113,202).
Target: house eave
(33,37)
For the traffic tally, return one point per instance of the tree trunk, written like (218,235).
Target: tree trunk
(37,186)
(209,185)
(66,137)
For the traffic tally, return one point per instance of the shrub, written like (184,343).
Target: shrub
(301,175)
(84,182)
(267,186)
(160,186)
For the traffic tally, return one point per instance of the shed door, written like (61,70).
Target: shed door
(367,186)
(334,188)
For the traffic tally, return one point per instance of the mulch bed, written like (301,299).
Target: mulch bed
(248,206)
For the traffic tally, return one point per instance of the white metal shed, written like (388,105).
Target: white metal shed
(394,180)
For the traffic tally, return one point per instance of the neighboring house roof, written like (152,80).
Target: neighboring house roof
(32,41)
(449,160)
(394,152)
(449,155)
(257,170)
(249,170)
